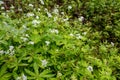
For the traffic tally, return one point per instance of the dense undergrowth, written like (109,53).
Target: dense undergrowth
(60,40)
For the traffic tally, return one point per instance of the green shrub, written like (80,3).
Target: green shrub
(77,40)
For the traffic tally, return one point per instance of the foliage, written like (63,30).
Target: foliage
(60,40)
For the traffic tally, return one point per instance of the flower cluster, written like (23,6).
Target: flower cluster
(42,2)
(78,36)
(10,51)
(1,2)
(30,14)
(35,22)
(2,52)
(69,7)
(81,18)
(54,31)
(47,42)
(44,63)
(23,77)
(90,68)
(25,37)
(31,5)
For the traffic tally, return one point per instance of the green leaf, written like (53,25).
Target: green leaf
(3,70)
(35,38)
(35,66)
(23,64)
(3,73)
(31,78)
(3,42)
(15,75)
(6,76)
(29,72)
(103,48)
(46,74)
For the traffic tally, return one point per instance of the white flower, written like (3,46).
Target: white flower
(54,31)
(49,14)
(42,2)
(62,13)
(44,63)
(31,5)
(37,17)
(81,18)
(46,10)
(84,33)
(30,14)
(112,44)
(12,7)
(90,68)
(31,42)
(47,42)
(25,27)
(55,18)
(1,2)
(7,11)
(71,34)
(24,39)
(38,9)
(11,48)
(66,19)
(2,8)
(24,77)
(19,9)
(2,52)
(59,74)
(18,78)
(55,11)
(26,35)
(12,52)
(69,7)
(78,36)
(35,22)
